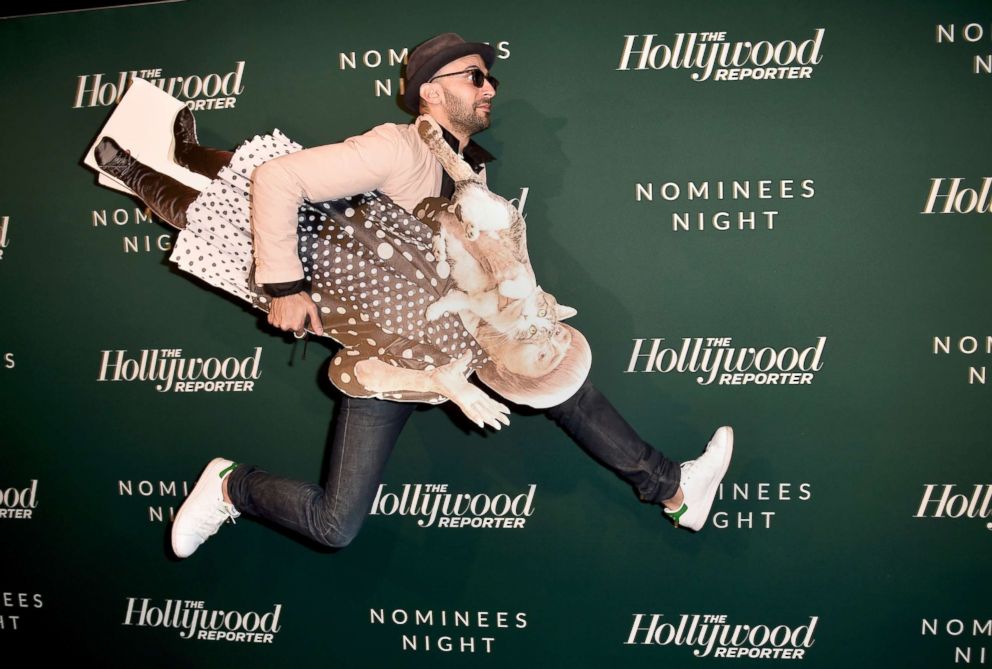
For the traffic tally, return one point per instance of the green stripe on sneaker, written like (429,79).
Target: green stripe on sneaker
(676,515)
(227,470)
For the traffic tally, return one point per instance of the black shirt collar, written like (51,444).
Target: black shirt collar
(474,155)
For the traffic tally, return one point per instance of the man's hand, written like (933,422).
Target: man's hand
(290,313)
(449,380)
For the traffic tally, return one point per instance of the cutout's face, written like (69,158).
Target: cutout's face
(535,358)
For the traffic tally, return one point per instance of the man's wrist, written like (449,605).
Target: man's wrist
(286,288)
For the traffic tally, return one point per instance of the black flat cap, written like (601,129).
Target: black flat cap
(430,56)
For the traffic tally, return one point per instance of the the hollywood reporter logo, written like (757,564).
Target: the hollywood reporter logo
(210,91)
(715,359)
(956,196)
(176,373)
(714,58)
(949,501)
(18,502)
(711,635)
(193,620)
(433,506)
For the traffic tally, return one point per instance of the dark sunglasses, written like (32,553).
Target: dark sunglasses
(478,78)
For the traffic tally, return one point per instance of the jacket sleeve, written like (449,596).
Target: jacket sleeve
(357,165)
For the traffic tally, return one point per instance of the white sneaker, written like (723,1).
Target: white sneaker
(701,478)
(204,511)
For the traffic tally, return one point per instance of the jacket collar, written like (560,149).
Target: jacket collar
(474,155)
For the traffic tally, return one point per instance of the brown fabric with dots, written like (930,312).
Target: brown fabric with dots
(369,262)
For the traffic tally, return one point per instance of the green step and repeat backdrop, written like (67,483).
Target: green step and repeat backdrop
(810,180)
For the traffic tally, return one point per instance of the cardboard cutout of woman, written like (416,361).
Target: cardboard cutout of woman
(414,322)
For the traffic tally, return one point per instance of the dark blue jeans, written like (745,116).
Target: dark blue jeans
(365,434)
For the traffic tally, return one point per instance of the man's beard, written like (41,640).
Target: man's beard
(463,117)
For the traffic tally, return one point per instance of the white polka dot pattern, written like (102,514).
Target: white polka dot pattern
(216,244)
(368,261)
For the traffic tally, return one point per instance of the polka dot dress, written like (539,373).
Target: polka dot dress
(368,260)
(373,276)
(216,244)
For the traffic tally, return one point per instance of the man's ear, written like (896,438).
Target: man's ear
(431,93)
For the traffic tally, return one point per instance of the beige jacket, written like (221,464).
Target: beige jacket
(389,158)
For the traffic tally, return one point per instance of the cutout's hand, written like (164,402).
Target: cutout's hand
(449,380)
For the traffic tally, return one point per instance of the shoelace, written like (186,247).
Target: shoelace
(124,162)
(210,524)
